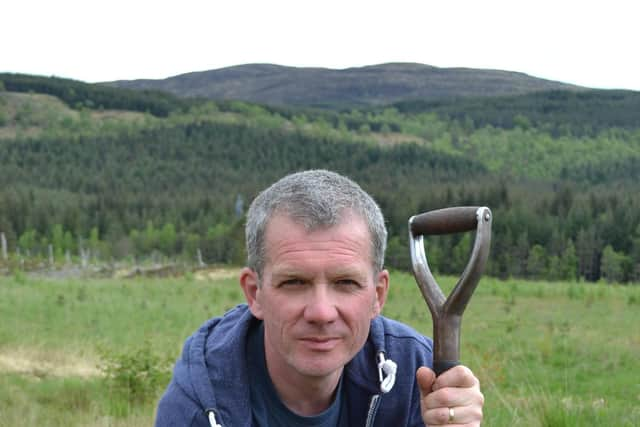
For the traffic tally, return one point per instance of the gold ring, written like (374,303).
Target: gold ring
(452,414)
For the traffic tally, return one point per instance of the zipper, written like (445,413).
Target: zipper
(374,403)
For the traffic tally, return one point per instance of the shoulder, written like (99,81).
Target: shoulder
(229,319)
(404,345)
(176,408)
(215,332)
(212,358)
(399,342)
(410,350)
(399,335)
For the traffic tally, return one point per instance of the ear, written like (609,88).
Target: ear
(382,288)
(249,283)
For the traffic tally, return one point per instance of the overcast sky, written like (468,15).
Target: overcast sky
(588,43)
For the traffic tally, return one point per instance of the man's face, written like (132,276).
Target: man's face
(317,296)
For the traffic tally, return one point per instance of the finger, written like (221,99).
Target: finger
(425,378)
(455,416)
(458,376)
(454,396)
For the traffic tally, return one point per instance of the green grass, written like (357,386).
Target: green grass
(547,354)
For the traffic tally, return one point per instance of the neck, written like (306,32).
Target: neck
(304,395)
(307,399)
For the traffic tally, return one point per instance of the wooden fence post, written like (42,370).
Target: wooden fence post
(84,257)
(5,256)
(200,262)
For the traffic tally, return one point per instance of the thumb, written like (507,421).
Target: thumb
(425,377)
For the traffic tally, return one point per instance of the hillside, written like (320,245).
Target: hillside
(80,173)
(79,95)
(351,87)
(558,111)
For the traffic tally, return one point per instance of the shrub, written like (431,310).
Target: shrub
(133,377)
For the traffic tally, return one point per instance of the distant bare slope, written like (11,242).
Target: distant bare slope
(365,86)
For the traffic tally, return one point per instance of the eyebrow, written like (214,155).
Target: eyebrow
(349,272)
(290,271)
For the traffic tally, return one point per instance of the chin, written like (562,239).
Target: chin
(320,366)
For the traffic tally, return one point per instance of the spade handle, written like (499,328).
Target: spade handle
(447,312)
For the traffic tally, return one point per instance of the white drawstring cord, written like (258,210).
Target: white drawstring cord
(212,419)
(389,368)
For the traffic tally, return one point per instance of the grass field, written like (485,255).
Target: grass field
(547,354)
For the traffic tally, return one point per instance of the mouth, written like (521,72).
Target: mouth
(320,343)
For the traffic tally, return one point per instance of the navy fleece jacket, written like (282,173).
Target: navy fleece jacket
(210,384)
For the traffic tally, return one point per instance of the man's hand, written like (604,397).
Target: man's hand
(452,399)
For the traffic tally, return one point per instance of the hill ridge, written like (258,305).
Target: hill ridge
(370,85)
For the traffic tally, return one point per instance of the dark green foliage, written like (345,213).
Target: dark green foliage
(187,178)
(171,187)
(602,172)
(134,377)
(78,94)
(560,112)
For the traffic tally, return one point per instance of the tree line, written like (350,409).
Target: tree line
(559,112)
(181,184)
(79,94)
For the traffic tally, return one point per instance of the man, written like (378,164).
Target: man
(310,347)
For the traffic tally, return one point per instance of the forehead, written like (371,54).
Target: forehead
(285,236)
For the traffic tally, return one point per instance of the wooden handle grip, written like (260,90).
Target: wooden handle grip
(445,221)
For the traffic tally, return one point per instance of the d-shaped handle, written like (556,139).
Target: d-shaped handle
(447,312)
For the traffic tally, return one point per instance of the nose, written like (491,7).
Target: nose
(321,306)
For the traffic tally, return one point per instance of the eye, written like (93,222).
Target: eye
(348,283)
(292,282)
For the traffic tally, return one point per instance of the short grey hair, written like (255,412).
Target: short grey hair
(316,199)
